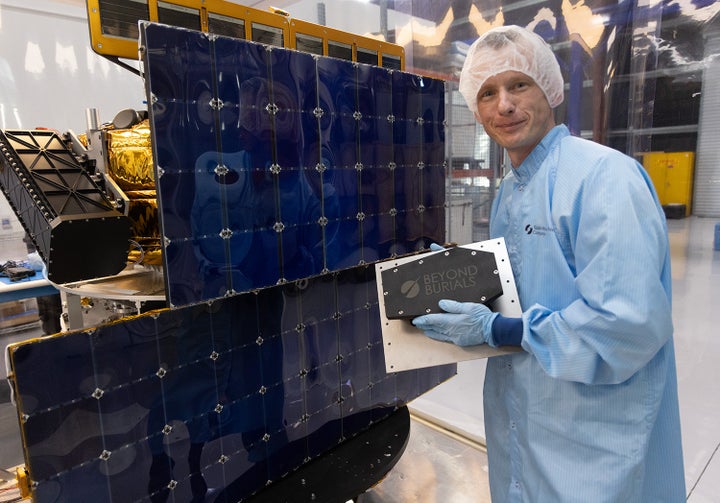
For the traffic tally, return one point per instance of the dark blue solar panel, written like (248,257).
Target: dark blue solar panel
(276,165)
(227,394)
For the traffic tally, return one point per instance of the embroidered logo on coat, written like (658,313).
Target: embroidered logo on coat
(538,230)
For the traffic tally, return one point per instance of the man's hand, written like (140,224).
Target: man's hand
(463,323)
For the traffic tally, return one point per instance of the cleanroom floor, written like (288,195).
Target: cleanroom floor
(440,466)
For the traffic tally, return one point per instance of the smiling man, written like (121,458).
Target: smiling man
(588,412)
(514,112)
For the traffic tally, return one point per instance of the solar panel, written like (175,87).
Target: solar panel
(276,165)
(231,393)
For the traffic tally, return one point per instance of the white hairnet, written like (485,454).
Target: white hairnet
(510,48)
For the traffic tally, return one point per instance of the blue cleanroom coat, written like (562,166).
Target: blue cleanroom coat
(589,411)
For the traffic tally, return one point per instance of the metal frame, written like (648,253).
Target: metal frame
(113,46)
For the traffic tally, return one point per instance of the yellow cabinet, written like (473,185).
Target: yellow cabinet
(672,176)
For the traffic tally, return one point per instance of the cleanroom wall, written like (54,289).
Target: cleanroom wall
(49,74)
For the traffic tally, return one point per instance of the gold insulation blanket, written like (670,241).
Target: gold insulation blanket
(130,161)
(130,164)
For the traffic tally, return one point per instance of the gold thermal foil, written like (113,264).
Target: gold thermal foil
(142,194)
(83,139)
(130,164)
(148,253)
(130,161)
(143,213)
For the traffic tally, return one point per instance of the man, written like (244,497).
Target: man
(588,412)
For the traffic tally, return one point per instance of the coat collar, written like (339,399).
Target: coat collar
(532,162)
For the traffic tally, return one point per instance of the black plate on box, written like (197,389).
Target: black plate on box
(414,288)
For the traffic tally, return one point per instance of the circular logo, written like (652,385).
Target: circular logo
(410,289)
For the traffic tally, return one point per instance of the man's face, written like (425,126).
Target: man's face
(514,112)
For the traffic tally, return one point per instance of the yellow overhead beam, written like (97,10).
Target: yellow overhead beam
(114,29)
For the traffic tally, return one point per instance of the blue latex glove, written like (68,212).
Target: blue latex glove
(463,323)
(435,247)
